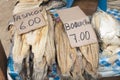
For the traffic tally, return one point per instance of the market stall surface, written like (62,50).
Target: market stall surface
(6,7)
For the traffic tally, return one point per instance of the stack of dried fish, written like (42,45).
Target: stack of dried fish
(34,51)
(74,62)
(108,31)
(107,28)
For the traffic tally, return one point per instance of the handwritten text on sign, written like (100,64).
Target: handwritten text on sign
(77,26)
(28,20)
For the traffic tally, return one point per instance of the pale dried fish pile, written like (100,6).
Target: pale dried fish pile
(38,42)
(35,51)
(73,62)
(108,31)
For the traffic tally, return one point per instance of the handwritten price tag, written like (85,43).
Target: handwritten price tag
(28,20)
(77,26)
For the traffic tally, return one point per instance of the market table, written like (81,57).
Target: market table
(111,78)
(3,64)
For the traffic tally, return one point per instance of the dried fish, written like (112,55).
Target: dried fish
(38,39)
(40,42)
(27,67)
(50,46)
(90,53)
(77,72)
(66,55)
(107,28)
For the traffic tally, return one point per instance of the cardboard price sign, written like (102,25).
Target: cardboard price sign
(28,20)
(77,26)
